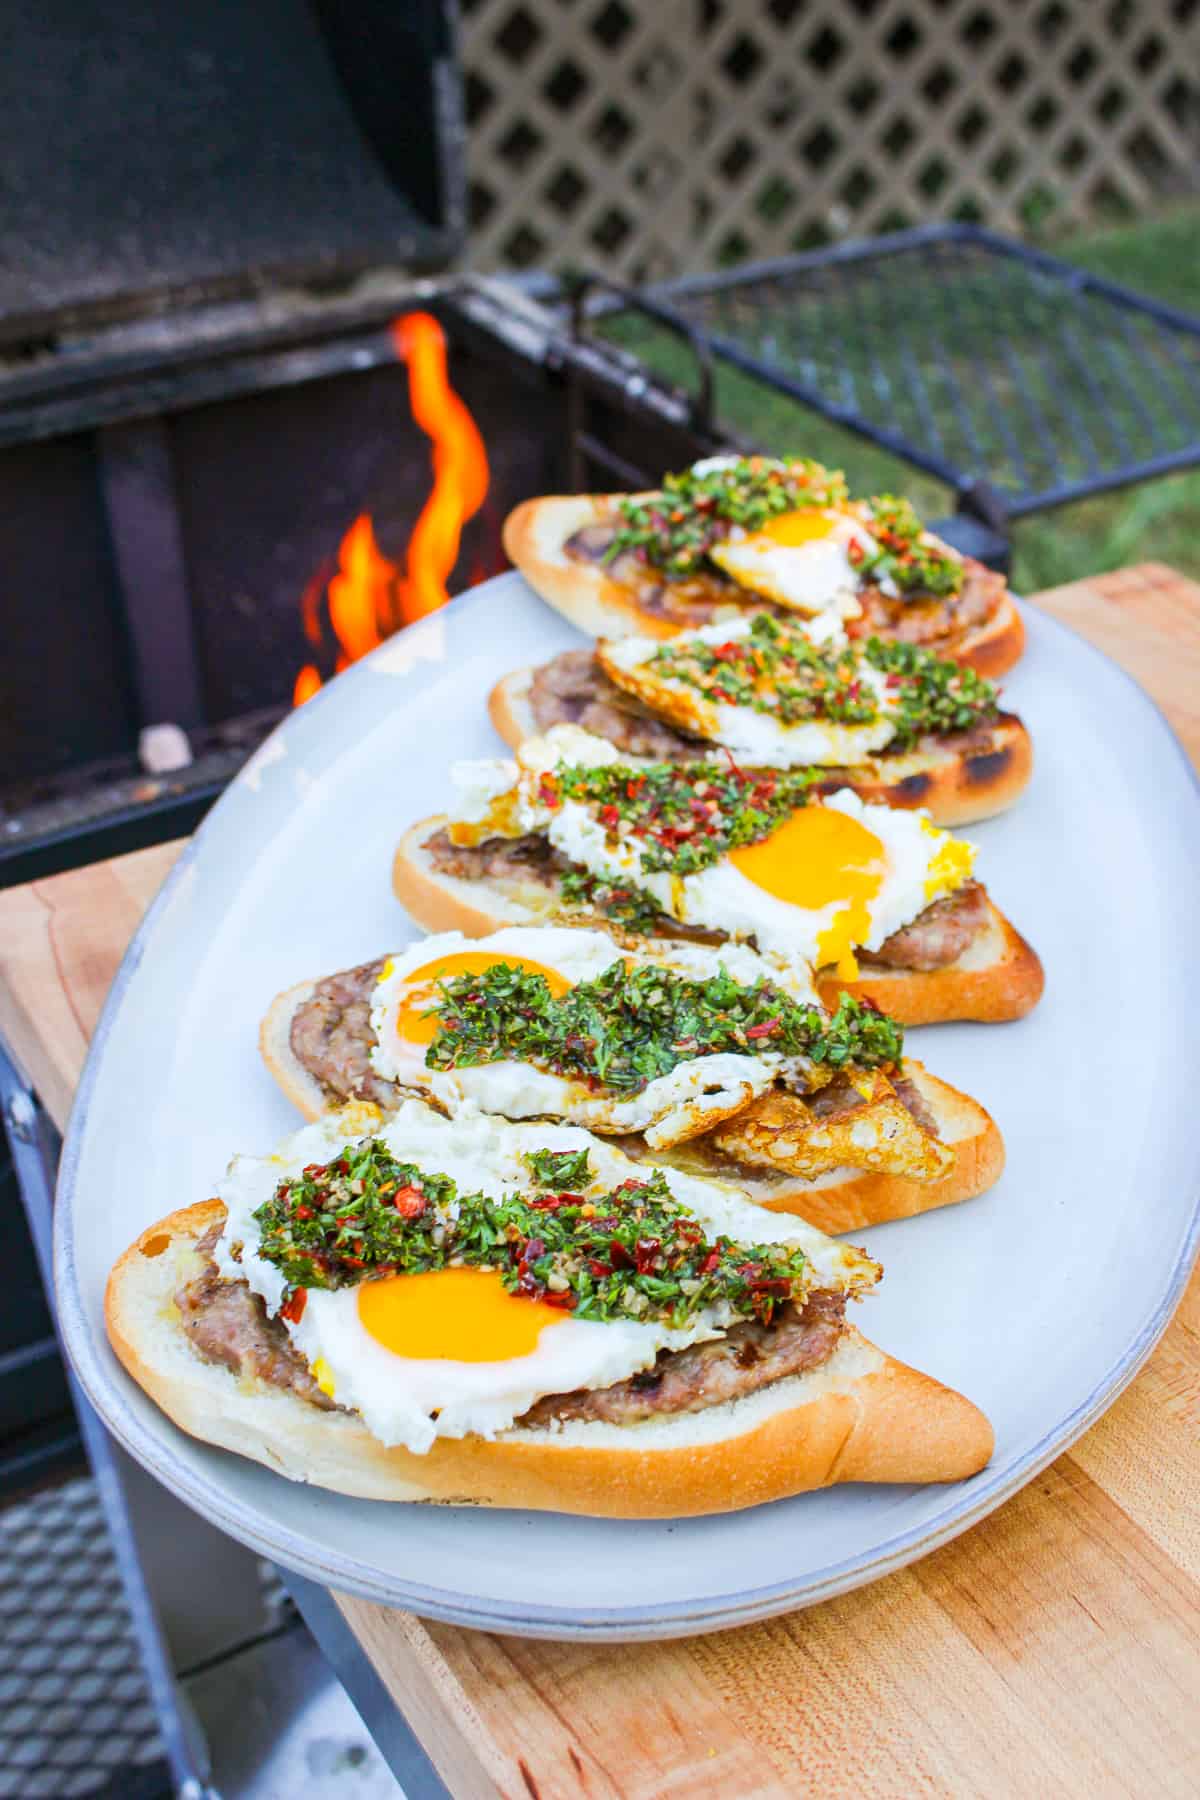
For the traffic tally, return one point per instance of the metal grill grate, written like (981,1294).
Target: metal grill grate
(968,356)
(75,1713)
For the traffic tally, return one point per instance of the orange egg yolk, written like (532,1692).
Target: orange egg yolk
(800,527)
(420,992)
(817,858)
(453,1315)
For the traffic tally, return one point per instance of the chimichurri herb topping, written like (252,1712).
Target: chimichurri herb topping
(675,529)
(916,568)
(559,1168)
(628,906)
(627,1026)
(684,817)
(935,694)
(630,1252)
(777,671)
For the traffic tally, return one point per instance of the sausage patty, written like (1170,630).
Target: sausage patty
(226,1323)
(939,935)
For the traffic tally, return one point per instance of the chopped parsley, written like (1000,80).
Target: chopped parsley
(916,568)
(629,907)
(777,671)
(685,817)
(559,1168)
(627,1026)
(935,694)
(633,1251)
(675,529)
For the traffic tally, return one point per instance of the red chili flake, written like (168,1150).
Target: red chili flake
(410,1202)
(293,1307)
(619,1255)
(646,1252)
(548,792)
(855,553)
(354,1262)
(632,1185)
(892,680)
(599,1268)
(315,1169)
(567,1301)
(610,816)
(720,693)
(766,1029)
(302,1212)
(634,786)
(711,1262)
(552,1202)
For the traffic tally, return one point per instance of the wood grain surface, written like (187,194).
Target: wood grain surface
(1051,1650)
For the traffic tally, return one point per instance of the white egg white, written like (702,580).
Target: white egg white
(413,1401)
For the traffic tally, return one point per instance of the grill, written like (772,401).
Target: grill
(1019,381)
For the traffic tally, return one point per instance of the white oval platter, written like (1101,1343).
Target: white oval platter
(1039,1300)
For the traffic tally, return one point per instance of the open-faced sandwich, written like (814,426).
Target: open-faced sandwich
(880,903)
(517,1315)
(733,532)
(711,1060)
(893,721)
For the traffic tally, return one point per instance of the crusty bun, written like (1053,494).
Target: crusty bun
(843,1200)
(862,1416)
(536,531)
(998,977)
(955,787)
(534,535)
(448,903)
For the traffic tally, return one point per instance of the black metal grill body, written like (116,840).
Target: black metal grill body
(155,155)
(1019,380)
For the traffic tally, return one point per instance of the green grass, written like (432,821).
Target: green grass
(1159,520)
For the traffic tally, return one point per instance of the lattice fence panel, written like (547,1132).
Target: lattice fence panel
(653,137)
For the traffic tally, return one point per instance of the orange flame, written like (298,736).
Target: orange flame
(369,596)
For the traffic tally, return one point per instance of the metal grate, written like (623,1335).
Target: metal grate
(75,1713)
(970,357)
(680,135)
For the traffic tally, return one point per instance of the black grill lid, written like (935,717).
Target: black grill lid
(168,150)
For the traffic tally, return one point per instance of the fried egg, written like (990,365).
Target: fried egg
(450,1352)
(834,876)
(691,1098)
(759,737)
(807,560)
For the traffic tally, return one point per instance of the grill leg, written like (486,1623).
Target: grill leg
(33,1142)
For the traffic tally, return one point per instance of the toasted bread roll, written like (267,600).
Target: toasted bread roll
(780,1150)
(998,977)
(956,787)
(860,1416)
(535,535)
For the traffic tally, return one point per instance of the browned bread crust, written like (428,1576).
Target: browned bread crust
(956,787)
(536,531)
(999,977)
(861,1417)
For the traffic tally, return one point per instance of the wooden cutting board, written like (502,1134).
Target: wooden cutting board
(1051,1650)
